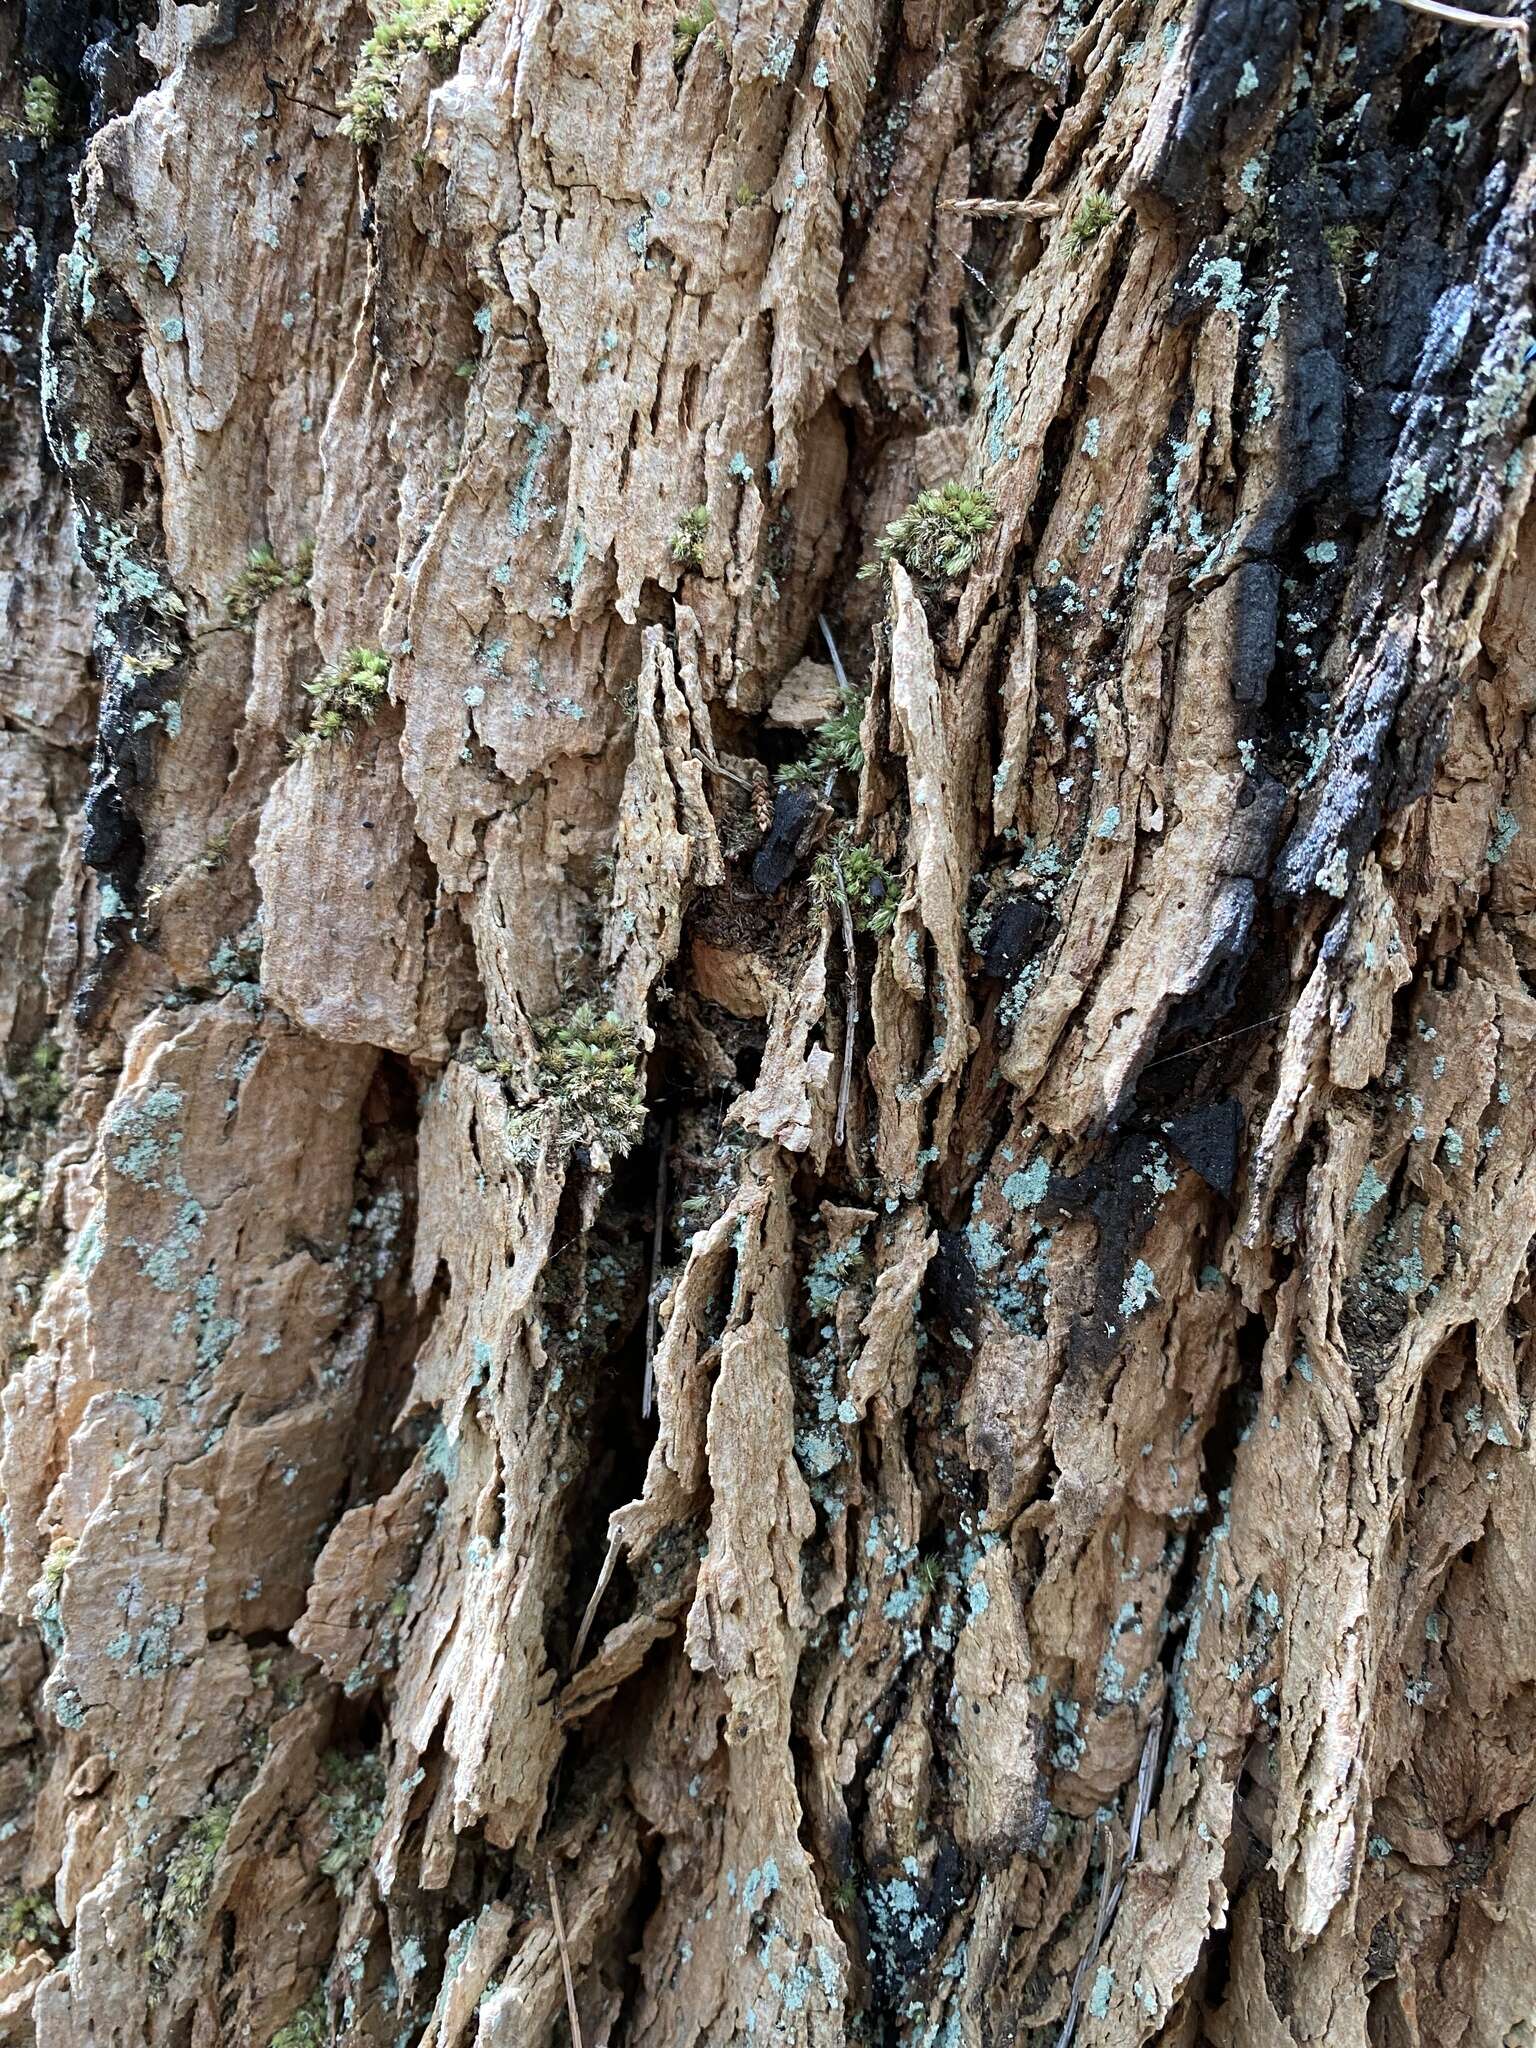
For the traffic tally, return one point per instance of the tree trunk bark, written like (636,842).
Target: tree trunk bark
(746,1304)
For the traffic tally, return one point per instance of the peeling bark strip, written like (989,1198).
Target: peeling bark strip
(746,1304)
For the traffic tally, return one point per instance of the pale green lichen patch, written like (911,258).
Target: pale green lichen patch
(346,693)
(1406,494)
(1506,830)
(1103,1985)
(1026,1188)
(1370,1191)
(1140,1288)
(939,536)
(128,583)
(162,1264)
(436,28)
(146,1140)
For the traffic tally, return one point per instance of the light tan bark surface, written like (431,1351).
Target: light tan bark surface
(1080,1567)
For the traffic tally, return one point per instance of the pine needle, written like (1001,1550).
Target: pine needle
(652,1305)
(1467,17)
(1109,1894)
(592,1605)
(565,1955)
(851,1006)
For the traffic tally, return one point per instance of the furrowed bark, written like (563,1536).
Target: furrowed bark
(1034,1066)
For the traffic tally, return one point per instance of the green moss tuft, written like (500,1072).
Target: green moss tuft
(354,1806)
(264,574)
(346,693)
(215,851)
(686,30)
(55,1565)
(1343,245)
(588,1083)
(21,1197)
(188,1881)
(688,537)
(939,535)
(38,1085)
(836,748)
(437,27)
(27,1922)
(1089,222)
(41,113)
(868,883)
(307,2028)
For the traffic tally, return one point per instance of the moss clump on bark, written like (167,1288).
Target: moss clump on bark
(354,1806)
(1089,222)
(688,537)
(686,30)
(45,1593)
(38,1086)
(265,573)
(188,1881)
(848,869)
(31,1095)
(21,1197)
(347,693)
(939,536)
(41,113)
(307,2027)
(835,749)
(588,1086)
(56,1564)
(435,27)
(27,1922)
(1343,243)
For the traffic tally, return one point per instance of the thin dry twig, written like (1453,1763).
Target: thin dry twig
(851,1004)
(1467,17)
(652,1305)
(598,1591)
(726,774)
(565,1955)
